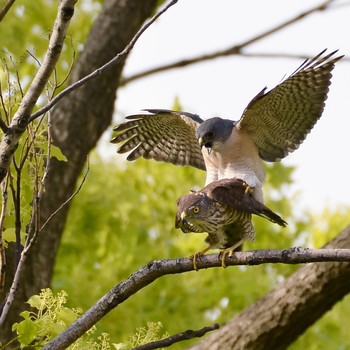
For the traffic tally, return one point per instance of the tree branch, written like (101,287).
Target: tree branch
(20,120)
(176,338)
(233,50)
(114,61)
(2,247)
(158,268)
(5,8)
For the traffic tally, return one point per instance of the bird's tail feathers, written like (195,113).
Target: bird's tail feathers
(273,217)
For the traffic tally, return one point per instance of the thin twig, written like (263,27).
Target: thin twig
(4,109)
(70,69)
(69,198)
(34,58)
(158,268)
(115,60)
(233,50)
(5,8)
(18,80)
(176,338)
(2,247)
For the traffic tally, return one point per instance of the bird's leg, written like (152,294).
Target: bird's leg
(228,252)
(196,255)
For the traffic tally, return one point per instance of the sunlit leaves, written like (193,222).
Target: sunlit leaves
(28,27)
(49,318)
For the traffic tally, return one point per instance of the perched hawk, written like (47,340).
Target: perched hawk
(224,210)
(274,124)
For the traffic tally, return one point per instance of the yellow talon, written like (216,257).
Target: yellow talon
(225,252)
(248,189)
(196,255)
(228,252)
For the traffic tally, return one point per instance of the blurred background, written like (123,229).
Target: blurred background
(123,217)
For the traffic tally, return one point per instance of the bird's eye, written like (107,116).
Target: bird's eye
(196,210)
(210,134)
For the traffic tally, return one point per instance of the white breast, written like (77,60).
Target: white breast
(238,157)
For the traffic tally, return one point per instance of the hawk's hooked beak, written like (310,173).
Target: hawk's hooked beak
(207,145)
(180,220)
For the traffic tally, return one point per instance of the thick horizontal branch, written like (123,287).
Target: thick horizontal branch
(236,49)
(158,268)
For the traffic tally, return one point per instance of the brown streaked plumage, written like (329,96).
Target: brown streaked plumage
(224,210)
(274,124)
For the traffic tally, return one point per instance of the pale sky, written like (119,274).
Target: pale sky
(223,87)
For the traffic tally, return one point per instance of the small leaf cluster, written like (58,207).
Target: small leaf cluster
(49,317)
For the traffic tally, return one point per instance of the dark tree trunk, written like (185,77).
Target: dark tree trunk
(78,122)
(280,317)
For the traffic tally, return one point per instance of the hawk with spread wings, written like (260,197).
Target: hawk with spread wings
(273,124)
(224,210)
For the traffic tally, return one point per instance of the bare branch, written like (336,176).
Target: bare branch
(2,247)
(158,268)
(5,8)
(68,199)
(115,60)
(20,120)
(233,50)
(176,338)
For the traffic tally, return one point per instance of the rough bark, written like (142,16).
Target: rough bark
(78,121)
(280,317)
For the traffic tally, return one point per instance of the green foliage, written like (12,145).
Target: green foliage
(28,27)
(148,334)
(328,223)
(49,318)
(28,170)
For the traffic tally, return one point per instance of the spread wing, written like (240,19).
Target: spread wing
(236,194)
(279,120)
(164,135)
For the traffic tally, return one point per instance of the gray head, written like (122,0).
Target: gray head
(213,131)
(193,211)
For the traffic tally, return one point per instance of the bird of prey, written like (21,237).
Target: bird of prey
(273,124)
(224,210)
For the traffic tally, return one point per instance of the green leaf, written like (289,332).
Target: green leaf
(26,331)
(66,315)
(9,235)
(57,153)
(35,301)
